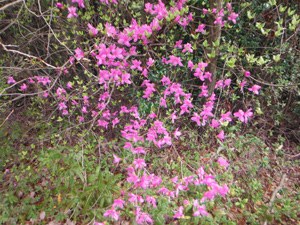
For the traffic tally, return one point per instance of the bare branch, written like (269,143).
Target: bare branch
(9,5)
(27,55)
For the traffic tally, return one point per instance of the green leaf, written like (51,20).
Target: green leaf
(59,119)
(261,61)
(258,111)
(291,12)
(231,62)
(276,58)
(212,55)
(264,32)
(272,2)
(282,9)
(250,16)
(250,58)
(260,25)
(147,34)
(278,33)
(216,43)
(205,44)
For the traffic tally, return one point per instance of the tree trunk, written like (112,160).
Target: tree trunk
(214,35)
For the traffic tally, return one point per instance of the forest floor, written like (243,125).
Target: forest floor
(264,174)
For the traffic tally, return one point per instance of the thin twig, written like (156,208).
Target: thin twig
(10,4)
(27,55)
(274,194)
(6,118)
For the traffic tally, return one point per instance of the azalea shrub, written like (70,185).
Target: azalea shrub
(138,70)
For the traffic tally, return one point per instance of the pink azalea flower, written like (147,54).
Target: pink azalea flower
(173,116)
(136,65)
(80,118)
(80,3)
(196,118)
(72,59)
(201,28)
(243,116)
(177,133)
(166,80)
(94,113)
(83,110)
(232,17)
(62,105)
(225,117)
(116,159)
(179,213)
(143,217)
(152,115)
(59,5)
(93,30)
(163,102)
(186,202)
(113,213)
(11,80)
(248,114)
(223,162)
(151,200)
(190,65)
(138,150)
(69,85)
(139,163)
(164,190)
(175,60)
(255,88)
(178,44)
(174,180)
(219,83)
(209,195)
(200,211)
(205,11)
(190,16)
(131,176)
(145,73)
(156,181)
(45,94)
(24,87)
(148,7)
(218,20)
(247,73)
(242,84)
(79,54)
(214,123)
(223,190)
(221,135)
(133,197)
(150,62)
(115,122)
(32,81)
(72,12)
(221,13)
(118,203)
(227,82)
(144,182)
(240,115)
(187,48)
